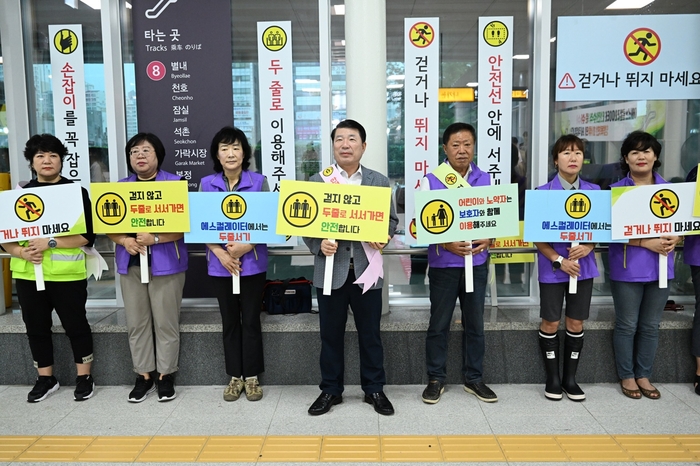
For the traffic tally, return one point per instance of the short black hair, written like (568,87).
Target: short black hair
(229,135)
(641,141)
(44,143)
(455,128)
(352,124)
(564,142)
(140,138)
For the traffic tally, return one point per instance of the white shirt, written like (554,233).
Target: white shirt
(354,179)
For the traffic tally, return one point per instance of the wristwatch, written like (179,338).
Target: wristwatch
(52,242)
(156,238)
(556,265)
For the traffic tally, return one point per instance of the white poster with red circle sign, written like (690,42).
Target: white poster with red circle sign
(639,57)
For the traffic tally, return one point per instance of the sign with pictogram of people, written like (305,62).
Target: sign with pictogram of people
(243,217)
(132,207)
(560,216)
(446,215)
(338,211)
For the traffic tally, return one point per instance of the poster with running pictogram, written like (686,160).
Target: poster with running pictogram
(636,57)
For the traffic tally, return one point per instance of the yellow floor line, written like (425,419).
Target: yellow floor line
(353,448)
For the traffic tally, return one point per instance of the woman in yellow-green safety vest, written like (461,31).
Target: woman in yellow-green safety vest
(65,277)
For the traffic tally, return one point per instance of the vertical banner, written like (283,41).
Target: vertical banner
(70,108)
(184,86)
(422,127)
(495,97)
(276,88)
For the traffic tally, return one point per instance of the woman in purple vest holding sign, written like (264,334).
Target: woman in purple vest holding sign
(691,256)
(634,278)
(153,307)
(557,262)
(240,313)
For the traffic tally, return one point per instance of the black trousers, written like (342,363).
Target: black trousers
(68,298)
(240,318)
(333,315)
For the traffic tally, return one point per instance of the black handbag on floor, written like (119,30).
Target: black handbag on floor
(291,296)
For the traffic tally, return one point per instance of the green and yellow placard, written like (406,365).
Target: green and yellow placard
(132,207)
(498,257)
(334,211)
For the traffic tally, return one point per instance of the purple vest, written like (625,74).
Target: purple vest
(691,250)
(439,257)
(167,258)
(255,261)
(588,264)
(635,263)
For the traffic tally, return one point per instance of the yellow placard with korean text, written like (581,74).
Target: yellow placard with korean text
(132,207)
(335,211)
(498,257)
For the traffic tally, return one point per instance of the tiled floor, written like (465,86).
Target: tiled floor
(439,432)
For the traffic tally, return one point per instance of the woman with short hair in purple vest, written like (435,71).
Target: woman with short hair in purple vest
(557,262)
(240,313)
(634,278)
(153,308)
(691,256)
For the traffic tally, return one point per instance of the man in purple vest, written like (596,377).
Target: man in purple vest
(446,275)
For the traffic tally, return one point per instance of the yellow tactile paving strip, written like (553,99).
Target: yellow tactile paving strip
(365,449)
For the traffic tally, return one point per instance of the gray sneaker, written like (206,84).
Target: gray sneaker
(253,390)
(233,391)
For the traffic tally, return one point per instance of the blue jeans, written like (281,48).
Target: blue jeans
(638,310)
(446,285)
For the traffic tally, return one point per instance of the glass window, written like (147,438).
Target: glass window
(458,69)
(48,12)
(675,123)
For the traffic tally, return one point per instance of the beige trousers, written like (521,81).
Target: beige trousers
(153,309)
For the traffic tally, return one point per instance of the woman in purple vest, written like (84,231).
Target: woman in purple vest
(153,307)
(240,313)
(634,278)
(691,256)
(556,263)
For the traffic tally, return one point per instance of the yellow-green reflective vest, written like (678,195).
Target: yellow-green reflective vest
(59,265)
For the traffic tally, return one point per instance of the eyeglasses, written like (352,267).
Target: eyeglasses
(145,152)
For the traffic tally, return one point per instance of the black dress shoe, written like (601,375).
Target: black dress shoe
(381,403)
(324,402)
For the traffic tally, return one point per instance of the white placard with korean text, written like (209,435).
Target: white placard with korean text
(70,108)
(654,210)
(421,126)
(495,97)
(41,212)
(636,57)
(276,88)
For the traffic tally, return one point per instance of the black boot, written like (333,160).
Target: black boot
(572,350)
(549,344)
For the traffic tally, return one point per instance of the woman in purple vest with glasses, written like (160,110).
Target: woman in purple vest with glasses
(152,309)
